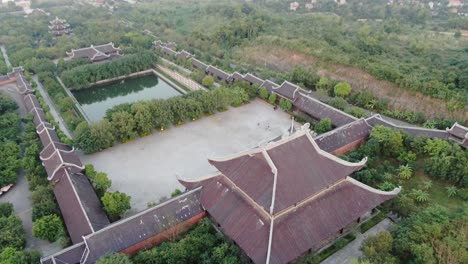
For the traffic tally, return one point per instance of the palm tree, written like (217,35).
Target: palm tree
(405,172)
(427,185)
(452,191)
(421,196)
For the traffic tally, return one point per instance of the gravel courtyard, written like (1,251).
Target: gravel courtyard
(146,168)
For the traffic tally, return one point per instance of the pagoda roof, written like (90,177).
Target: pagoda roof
(284,198)
(57,21)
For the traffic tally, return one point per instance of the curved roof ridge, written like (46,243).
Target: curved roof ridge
(373,190)
(63,165)
(193,180)
(335,158)
(235,155)
(44,124)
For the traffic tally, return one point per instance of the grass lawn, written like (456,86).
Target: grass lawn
(437,192)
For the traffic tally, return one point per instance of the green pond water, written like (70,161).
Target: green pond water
(95,101)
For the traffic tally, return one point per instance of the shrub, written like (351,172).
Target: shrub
(272,98)
(208,81)
(342,89)
(285,104)
(323,126)
(115,204)
(263,93)
(6,209)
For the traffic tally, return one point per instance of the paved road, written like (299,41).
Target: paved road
(5,56)
(351,252)
(51,105)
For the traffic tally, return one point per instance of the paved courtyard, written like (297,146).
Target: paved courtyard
(146,168)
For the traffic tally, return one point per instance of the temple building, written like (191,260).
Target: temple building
(59,27)
(286,198)
(96,53)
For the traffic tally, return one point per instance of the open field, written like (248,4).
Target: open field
(146,168)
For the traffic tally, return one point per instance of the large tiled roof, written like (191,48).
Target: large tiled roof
(269,85)
(236,77)
(414,131)
(95,53)
(79,205)
(134,229)
(220,74)
(253,79)
(319,110)
(284,198)
(198,64)
(344,135)
(184,55)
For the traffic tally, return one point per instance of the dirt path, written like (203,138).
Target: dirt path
(282,59)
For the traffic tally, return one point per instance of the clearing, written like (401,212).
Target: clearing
(146,168)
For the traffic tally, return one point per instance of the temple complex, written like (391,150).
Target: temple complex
(59,27)
(96,53)
(286,198)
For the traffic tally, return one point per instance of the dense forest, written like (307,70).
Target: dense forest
(405,61)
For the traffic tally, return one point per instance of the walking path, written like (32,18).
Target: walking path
(77,104)
(5,56)
(189,83)
(177,66)
(351,252)
(53,110)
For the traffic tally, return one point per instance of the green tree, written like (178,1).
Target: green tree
(391,141)
(208,81)
(377,249)
(175,193)
(101,183)
(12,233)
(13,256)
(342,89)
(263,93)
(142,115)
(323,126)
(115,259)
(272,98)
(49,228)
(6,209)
(124,126)
(115,204)
(285,104)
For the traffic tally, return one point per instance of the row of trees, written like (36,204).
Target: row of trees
(10,137)
(13,239)
(125,122)
(85,75)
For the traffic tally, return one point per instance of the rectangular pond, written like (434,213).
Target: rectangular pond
(95,101)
